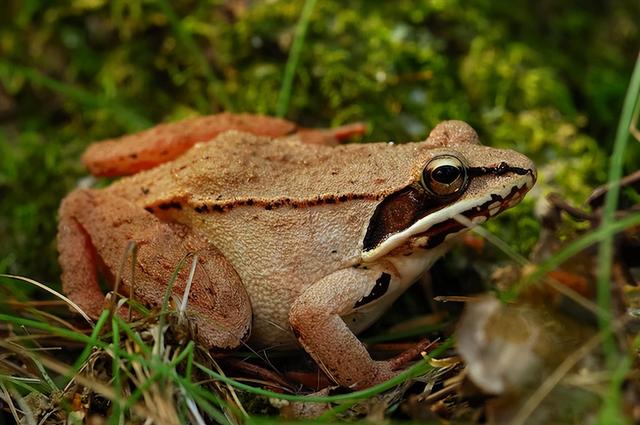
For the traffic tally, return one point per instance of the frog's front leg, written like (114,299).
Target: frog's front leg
(94,230)
(316,320)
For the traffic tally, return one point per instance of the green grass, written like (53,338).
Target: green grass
(163,366)
(611,412)
(284,95)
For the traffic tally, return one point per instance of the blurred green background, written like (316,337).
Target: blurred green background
(546,78)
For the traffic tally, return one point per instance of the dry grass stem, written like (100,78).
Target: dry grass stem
(187,289)
(51,291)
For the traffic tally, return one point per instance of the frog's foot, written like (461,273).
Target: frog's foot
(94,230)
(146,149)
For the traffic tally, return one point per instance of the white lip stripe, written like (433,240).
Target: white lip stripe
(440,216)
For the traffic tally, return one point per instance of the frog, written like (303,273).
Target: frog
(298,239)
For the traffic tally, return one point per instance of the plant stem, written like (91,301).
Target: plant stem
(605,254)
(294,57)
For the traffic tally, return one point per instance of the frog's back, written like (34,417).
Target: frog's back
(239,168)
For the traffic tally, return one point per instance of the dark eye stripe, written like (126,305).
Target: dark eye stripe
(380,288)
(399,211)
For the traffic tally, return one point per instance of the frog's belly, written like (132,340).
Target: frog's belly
(279,253)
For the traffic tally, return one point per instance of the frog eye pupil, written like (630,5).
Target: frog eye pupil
(446,174)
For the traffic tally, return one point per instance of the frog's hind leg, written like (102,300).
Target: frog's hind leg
(146,149)
(94,230)
(165,142)
(79,263)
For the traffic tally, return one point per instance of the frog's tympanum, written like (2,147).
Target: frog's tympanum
(299,239)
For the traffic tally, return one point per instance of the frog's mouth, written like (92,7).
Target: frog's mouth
(434,228)
(438,232)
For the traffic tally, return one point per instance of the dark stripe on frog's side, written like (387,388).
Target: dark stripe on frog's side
(380,288)
(283,202)
(169,205)
(403,208)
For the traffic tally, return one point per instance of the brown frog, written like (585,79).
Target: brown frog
(299,240)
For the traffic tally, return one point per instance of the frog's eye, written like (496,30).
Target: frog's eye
(444,176)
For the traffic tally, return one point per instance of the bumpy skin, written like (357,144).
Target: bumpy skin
(291,218)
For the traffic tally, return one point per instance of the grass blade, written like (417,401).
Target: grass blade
(51,291)
(294,57)
(605,254)
(611,412)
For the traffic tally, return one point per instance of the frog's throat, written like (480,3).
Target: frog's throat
(434,228)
